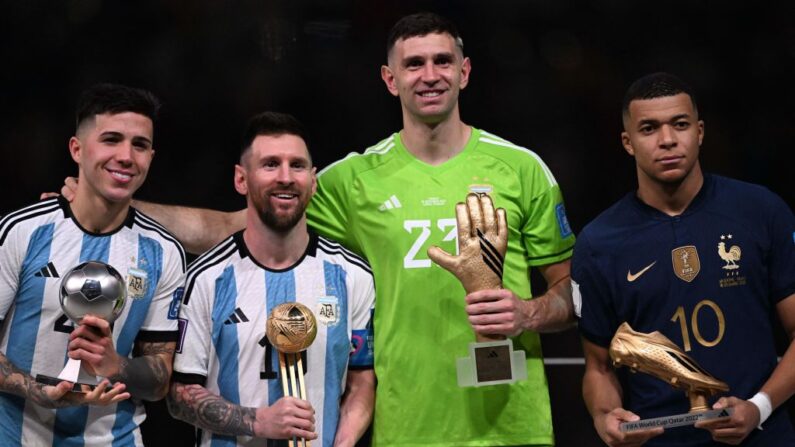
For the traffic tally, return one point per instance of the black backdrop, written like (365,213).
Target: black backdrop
(548,75)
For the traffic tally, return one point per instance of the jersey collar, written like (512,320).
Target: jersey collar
(311,250)
(698,201)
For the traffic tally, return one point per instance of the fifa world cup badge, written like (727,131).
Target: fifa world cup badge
(136,283)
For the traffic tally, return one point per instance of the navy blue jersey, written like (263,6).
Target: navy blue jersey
(708,279)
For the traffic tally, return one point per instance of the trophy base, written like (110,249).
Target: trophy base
(76,388)
(71,372)
(677,420)
(491,363)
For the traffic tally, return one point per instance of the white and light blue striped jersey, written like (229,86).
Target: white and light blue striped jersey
(228,297)
(39,244)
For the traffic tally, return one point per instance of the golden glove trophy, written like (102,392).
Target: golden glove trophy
(482,243)
(656,355)
(291,328)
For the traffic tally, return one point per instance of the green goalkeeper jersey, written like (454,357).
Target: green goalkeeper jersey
(391,207)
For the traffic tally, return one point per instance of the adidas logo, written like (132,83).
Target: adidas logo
(48,271)
(237,317)
(390,203)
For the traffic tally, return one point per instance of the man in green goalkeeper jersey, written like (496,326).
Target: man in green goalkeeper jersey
(397,199)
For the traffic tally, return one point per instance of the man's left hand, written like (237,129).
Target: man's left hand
(734,429)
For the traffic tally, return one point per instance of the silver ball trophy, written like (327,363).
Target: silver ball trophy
(94,288)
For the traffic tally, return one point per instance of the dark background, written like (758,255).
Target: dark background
(548,75)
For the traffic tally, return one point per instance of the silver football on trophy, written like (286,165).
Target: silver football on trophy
(94,288)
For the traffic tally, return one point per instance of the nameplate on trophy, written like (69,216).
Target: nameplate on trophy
(677,420)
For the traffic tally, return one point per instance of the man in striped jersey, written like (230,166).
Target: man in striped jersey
(112,147)
(226,378)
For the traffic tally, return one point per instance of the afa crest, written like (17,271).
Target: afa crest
(327,310)
(686,263)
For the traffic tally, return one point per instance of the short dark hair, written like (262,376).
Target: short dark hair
(656,85)
(422,24)
(115,98)
(273,124)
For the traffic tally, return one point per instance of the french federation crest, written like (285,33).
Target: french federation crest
(327,311)
(686,262)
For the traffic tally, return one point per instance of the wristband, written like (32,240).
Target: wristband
(762,402)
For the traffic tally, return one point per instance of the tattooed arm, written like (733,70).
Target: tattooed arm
(288,417)
(15,381)
(146,376)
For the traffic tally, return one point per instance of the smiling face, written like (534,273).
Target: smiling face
(113,153)
(427,73)
(277,177)
(664,135)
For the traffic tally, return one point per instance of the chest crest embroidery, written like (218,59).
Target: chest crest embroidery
(685,262)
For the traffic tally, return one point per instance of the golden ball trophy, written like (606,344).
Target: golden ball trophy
(291,328)
(482,243)
(656,355)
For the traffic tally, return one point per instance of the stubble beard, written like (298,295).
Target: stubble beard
(281,224)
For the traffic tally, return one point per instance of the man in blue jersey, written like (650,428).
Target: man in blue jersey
(226,374)
(709,262)
(112,147)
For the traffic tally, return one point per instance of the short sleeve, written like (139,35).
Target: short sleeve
(362,300)
(782,251)
(192,357)
(10,267)
(161,316)
(546,233)
(597,317)
(327,213)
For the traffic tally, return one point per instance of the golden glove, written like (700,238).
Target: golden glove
(482,242)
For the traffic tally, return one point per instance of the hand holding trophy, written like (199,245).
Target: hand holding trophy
(291,328)
(91,288)
(656,355)
(482,243)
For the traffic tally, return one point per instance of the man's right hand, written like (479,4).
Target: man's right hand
(607,425)
(60,395)
(68,190)
(287,418)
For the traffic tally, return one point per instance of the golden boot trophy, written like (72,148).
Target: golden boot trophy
(656,355)
(482,243)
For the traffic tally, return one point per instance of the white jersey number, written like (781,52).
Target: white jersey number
(449,232)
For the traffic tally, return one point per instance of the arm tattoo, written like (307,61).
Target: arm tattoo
(15,381)
(147,376)
(196,405)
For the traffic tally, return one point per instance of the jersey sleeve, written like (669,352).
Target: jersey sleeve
(10,267)
(160,323)
(782,251)
(362,301)
(592,299)
(193,354)
(327,213)
(546,233)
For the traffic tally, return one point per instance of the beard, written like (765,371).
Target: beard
(281,222)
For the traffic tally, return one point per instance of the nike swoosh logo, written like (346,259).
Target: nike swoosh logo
(631,277)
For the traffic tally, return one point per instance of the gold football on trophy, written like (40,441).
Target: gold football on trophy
(291,327)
